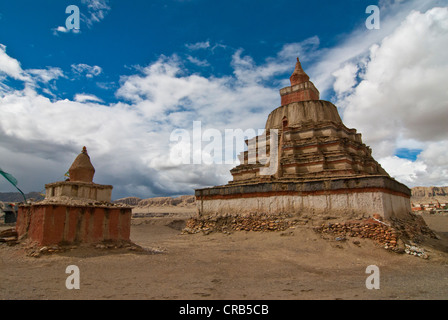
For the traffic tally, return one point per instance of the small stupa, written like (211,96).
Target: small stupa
(75,211)
(82,169)
(321,165)
(79,187)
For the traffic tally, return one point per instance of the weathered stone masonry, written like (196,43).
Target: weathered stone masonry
(322,166)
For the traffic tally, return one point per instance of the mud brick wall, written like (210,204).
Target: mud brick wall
(56,224)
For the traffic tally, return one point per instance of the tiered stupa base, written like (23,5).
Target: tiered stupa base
(322,166)
(337,197)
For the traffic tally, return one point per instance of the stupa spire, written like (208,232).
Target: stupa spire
(82,169)
(301,89)
(298,76)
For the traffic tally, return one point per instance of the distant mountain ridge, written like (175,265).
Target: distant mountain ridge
(419,194)
(17,197)
(181,201)
(429,194)
(130,201)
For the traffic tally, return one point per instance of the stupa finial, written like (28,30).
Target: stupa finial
(298,76)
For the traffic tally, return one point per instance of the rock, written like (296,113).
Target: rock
(34,254)
(43,249)
(8,233)
(377,217)
(8,239)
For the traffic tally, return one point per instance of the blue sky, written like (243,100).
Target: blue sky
(136,33)
(138,70)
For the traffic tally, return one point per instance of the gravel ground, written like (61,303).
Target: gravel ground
(295,264)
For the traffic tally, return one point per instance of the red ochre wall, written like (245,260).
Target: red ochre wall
(56,224)
(302,95)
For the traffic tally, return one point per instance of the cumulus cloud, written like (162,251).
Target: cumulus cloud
(354,48)
(10,66)
(404,170)
(401,96)
(248,72)
(129,141)
(164,88)
(391,92)
(345,79)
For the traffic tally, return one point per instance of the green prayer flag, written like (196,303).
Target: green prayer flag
(12,180)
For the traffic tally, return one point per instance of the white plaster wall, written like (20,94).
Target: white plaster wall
(386,205)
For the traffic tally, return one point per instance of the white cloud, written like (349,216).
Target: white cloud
(304,49)
(198,45)
(404,170)
(96,11)
(248,72)
(86,70)
(398,102)
(46,75)
(164,88)
(130,142)
(430,168)
(10,66)
(198,62)
(81,97)
(92,11)
(61,29)
(355,46)
(345,78)
(401,98)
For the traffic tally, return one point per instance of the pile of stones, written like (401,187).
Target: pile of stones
(34,250)
(9,236)
(230,224)
(370,228)
(416,251)
(391,235)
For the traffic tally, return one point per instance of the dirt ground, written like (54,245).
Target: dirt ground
(296,264)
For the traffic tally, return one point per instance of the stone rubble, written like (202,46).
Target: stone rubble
(370,228)
(9,236)
(391,235)
(416,251)
(230,224)
(36,251)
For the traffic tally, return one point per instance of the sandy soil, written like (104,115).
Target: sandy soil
(292,264)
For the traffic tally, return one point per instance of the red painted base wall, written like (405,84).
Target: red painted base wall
(56,224)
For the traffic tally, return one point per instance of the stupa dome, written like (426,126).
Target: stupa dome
(82,169)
